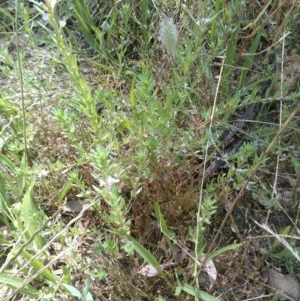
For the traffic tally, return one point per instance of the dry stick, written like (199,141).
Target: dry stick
(204,168)
(254,169)
(274,192)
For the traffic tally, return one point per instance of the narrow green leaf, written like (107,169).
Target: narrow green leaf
(147,256)
(250,58)
(21,178)
(144,19)
(225,249)
(89,297)
(86,287)
(198,293)
(67,274)
(38,265)
(4,202)
(16,283)
(64,190)
(7,162)
(33,218)
(230,59)
(162,222)
(72,290)
(132,97)
(285,253)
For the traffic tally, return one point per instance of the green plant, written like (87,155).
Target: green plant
(85,295)
(107,125)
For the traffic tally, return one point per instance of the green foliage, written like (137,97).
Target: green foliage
(284,249)
(148,89)
(207,209)
(33,218)
(7,279)
(198,294)
(85,295)
(169,235)
(148,257)
(88,28)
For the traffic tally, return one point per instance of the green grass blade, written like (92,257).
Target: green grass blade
(33,218)
(229,59)
(16,283)
(163,225)
(250,58)
(4,202)
(198,293)
(147,256)
(4,160)
(225,249)
(73,291)
(38,265)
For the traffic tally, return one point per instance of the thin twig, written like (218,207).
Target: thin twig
(204,168)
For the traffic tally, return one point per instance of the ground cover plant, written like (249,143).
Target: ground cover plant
(149,150)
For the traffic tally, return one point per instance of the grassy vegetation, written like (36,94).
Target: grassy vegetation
(110,116)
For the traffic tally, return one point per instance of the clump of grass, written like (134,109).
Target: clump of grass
(127,145)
